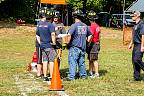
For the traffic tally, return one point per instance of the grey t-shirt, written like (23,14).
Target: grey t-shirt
(59,28)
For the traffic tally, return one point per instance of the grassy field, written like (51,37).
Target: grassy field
(17,46)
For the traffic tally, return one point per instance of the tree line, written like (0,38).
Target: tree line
(27,9)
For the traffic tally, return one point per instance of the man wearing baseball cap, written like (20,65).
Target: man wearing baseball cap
(135,13)
(138,45)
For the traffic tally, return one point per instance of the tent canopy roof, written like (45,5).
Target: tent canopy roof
(137,5)
(53,1)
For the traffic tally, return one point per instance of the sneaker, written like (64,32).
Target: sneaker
(49,78)
(46,79)
(39,77)
(90,74)
(96,75)
(137,79)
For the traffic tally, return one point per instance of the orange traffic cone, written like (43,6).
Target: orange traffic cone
(56,83)
(29,67)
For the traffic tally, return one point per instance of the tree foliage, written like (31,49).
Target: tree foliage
(90,4)
(26,9)
(96,5)
(77,4)
(111,6)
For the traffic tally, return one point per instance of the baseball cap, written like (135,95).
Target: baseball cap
(135,13)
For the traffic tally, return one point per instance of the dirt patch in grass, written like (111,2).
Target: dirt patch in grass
(28,84)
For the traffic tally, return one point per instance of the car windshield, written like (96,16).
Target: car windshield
(120,16)
(128,17)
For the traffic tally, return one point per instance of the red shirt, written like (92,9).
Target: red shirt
(95,30)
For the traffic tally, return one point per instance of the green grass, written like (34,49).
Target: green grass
(17,46)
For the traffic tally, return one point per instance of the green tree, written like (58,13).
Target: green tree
(96,5)
(24,9)
(77,4)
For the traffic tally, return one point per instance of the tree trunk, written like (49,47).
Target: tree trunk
(84,6)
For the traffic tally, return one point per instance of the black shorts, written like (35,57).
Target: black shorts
(39,55)
(93,51)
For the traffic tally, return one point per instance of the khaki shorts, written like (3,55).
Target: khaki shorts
(93,51)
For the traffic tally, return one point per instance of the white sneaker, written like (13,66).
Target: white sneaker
(96,75)
(90,74)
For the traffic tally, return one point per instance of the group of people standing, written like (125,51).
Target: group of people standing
(81,39)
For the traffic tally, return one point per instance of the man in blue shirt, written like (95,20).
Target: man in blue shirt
(78,34)
(138,42)
(46,38)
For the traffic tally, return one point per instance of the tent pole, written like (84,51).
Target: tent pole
(38,3)
(123,19)
(67,15)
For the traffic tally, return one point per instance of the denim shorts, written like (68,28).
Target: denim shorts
(49,54)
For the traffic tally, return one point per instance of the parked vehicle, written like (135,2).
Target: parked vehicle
(128,20)
(117,20)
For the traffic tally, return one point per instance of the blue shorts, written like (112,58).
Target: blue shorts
(49,54)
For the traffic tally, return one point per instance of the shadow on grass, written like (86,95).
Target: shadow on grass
(142,76)
(64,73)
(102,72)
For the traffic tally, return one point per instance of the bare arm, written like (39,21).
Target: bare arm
(63,28)
(53,36)
(131,42)
(142,44)
(69,38)
(130,45)
(89,38)
(38,38)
